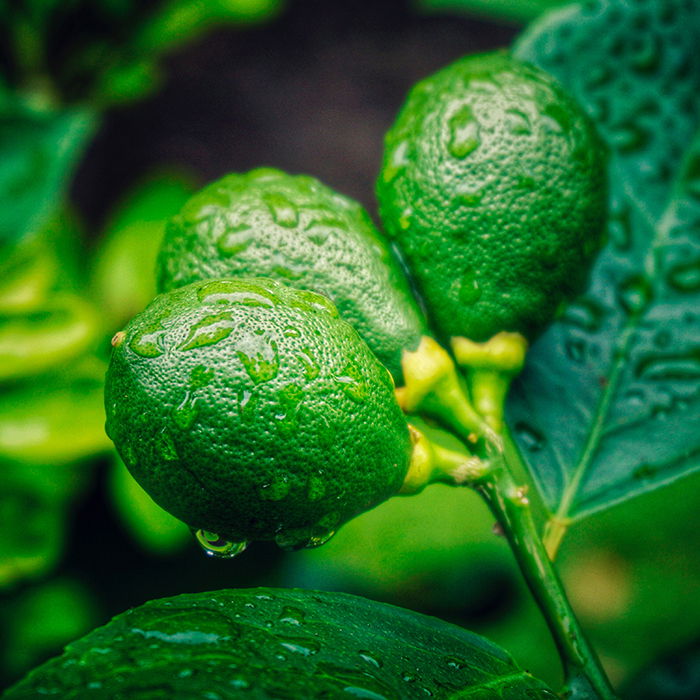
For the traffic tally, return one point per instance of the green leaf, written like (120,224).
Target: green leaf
(39,152)
(275,643)
(514,10)
(609,404)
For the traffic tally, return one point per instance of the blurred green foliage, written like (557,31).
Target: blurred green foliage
(519,11)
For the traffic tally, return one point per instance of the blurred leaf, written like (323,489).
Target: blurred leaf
(275,643)
(56,420)
(155,529)
(123,275)
(41,261)
(33,502)
(127,81)
(180,21)
(676,677)
(42,620)
(609,404)
(60,331)
(39,152)
(515,10)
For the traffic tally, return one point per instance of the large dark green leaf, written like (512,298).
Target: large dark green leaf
(38,154)
(275,643)
(609,404)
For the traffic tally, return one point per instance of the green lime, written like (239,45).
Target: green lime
(249,409)
(493,184)
(296,230)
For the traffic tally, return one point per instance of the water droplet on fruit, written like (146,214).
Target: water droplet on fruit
(218,547)
(463,133)
(405,218)
(353,384)
(146,342)
(260,368)
(165,447)
(518,122)
(185,414)
(575,350)
(234,240)
(531,439)
(318,538)
(283,212)
(209,330)
(469,291)
(275,490)
(398,160)
(628,137)
(247,405)
(308,361)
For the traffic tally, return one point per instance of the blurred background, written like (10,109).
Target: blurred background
(111,113)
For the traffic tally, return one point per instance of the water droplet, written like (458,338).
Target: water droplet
(644,471)
(470,197)
(185,673)
(218,547)
(209,330)
(291,332)
(292,539)
(236,292)
(259,368)
(685,276)
(319,538)
(235,239)
(165,447)
(405,218)
(353,383)
(367,656)
(284,213)
(646,57)
(634,294)
(463,133)
(146,342)
(185,414)
(316,487)
(292,616)
(556,119)
(275,490)
(531,439)
(239,684)
(248,405)
(310,301)
(305,647)
(518,122)
(468,289)
(677,366)
(397,161)
(308,361)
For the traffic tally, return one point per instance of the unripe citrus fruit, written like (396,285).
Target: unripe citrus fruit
(493,185)
(249,409)
(294,229)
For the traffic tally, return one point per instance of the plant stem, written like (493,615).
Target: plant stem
(585,677)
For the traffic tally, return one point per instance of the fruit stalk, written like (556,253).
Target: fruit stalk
(584,676)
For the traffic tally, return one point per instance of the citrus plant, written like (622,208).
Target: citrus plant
(258,409)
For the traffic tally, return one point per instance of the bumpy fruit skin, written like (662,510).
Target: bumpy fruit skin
(250,409)
(294,229)
(493,184)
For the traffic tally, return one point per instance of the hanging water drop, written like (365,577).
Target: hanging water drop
(218,547)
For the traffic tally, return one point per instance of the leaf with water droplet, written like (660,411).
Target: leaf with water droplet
(219,643)
(609,403)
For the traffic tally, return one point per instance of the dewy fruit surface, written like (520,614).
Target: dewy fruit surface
(294,229)
(251,410)
(493,184)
